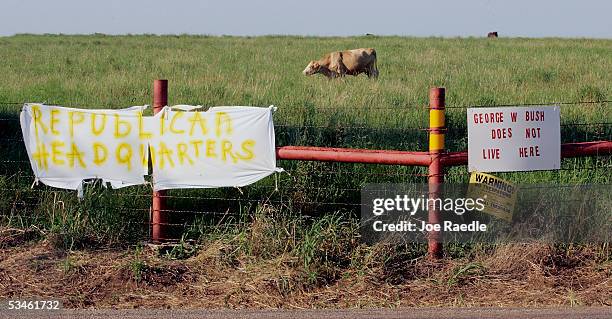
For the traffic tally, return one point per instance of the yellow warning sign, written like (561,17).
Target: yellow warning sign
(499,195)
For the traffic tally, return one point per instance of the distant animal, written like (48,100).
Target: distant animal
(340,63)
(492,34)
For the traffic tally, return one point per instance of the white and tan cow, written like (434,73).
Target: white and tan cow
(340,63)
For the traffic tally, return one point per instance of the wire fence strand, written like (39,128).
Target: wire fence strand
(528,104)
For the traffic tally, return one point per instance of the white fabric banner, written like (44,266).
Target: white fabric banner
(67,145)
(222,147)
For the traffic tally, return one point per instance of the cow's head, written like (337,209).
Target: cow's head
(312,68)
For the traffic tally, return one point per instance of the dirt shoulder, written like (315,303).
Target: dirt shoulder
(407,313)
(513,276)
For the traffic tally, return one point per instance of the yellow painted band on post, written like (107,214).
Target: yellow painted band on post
(436,118)
(436,141)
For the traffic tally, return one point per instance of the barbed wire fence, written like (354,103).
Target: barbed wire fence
(310,189)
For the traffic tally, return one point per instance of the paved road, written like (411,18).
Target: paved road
(410,313)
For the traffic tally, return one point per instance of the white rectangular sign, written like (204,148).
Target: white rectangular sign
(222,147)
(506,139)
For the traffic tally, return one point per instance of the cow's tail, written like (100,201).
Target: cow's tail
(375,63)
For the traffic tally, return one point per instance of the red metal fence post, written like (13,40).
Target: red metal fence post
(436,170)
(159,218)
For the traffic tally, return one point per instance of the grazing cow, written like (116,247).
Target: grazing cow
(340,63)
(492,34)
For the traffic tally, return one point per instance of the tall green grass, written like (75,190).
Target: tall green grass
(388,113)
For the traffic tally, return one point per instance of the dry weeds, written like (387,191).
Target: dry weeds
(512,275)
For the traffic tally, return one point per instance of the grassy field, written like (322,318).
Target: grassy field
(390,113)
(309,218)
(106,71)
(110,71)
(118,71)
